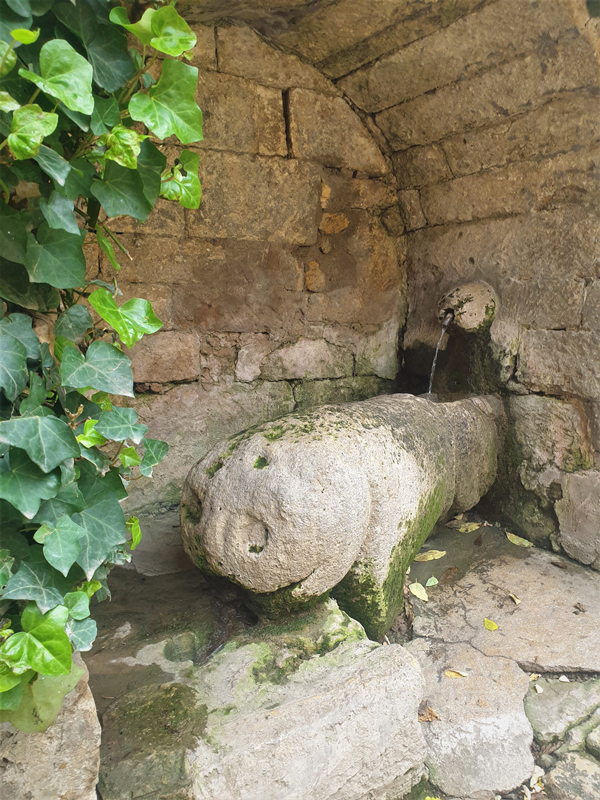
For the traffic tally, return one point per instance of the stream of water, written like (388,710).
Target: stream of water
(447,320)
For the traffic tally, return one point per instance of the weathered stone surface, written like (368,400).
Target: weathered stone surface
(487,575)
(349,723)
(241,116)
(557,362)
(560,707)
(574,777)
(305,502)
(311,394)
(420,166)
(377,354)
(412,209)
(307,359)
(578,513)
(472,305)
(481,743)
(510,88)
(231,184)
(160,295)
(166,219)
(561,125)
(481,40)
(204,52)
(592,742)
(60,763)
(244,53)
(315,124)
(251,356)
(166,357)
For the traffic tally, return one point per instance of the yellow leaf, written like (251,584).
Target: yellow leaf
(491,626)
(419,591)
(517,540)
(432,582)
(534,676)
(455,673)
(515,599)
(469,527)
(430,555)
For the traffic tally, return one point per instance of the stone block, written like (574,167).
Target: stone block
(574,777)
(251,356)
(591,307)
(481,40)
(510,88)
(245,53)
(377,354)
(307,359)
(327,130)
(578,513)
(166,219)
(411,209)
(560,707)
(410,25)
(162,259)
(240,115)
(311,394)
(340,192)
(566,123)
(158,294)
(204,52)
(560,362)
(289,192)
(166,357)
(420,166)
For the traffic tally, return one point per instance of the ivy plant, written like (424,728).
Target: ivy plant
(80,120)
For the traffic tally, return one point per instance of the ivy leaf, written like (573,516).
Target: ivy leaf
(73,323)
(25,485)
(104,368)
(46,649)
(15,286)
(104,526)
(8,679)
(59,214)
(95,486)
(169,107)
(154,452)
(150,165)
(181,182)
(131,320)
(13,233)
(22,34)
(32,617)
(11,700)
(8,56)
(48,441)
(107,249)
(171,33)
(121,424)
(30,125)
(78,604)
(123,146)
(13,366)
(61,543)
(133,527)
(82,634)
(56,258)
(96,457)
(8,103)
(79,179)
(6,565)
(19,327)
(68,501)
(129,457)
(90,436)
(33,582)
(53,164)
(122,192)
(141,29)
(105,115)
(66,75)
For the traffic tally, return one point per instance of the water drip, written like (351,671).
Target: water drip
(447,320)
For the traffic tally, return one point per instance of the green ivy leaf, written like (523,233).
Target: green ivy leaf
(73,323)
(131,320)
(172,34)
(24,36)
(104,367)
(150,165)
(129,457)
(121,191)
(32,404)
(53,164)
(33,581)
(79,179)
(94,486)
(66,75)
(103,400)
(8,679)
(90,436)
(78,604)
(7,103)
(20,7)
(15,286)
(19,327)
(6,565)
(169,107)
(141,29)
(46,649)
(11,699)
(69,500)
(133,527)
(82,634)
(90,588)
(13,233)
(56,258)
(123,146)
(105,115)
(25,485)
(13,366)
(108,249)
(8,55)
(61,543)
(48,441)
(59,214)
(121,424)
(32,617)
(30,125)
(154,453)
(181,182)
(104,526)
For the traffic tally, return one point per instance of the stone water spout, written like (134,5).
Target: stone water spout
(340,499)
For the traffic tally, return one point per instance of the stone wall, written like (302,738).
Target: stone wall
(285,289)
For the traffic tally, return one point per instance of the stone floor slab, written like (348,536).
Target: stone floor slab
(560,707)
(575,777)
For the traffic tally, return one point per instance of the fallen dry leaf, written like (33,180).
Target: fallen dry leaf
(26,189)
(428,715)
(479,540)
(534,676)
(579,607)
(469,527)
(538,688)
(564,679)
(449,575)
(430,555)
(433,581)
(455,673)
(515,599)
(559,564)
(518,540)
(419,591)
(491,626)
(454,523)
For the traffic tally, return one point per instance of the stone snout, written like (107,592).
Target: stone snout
(338,499)
(473,307)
